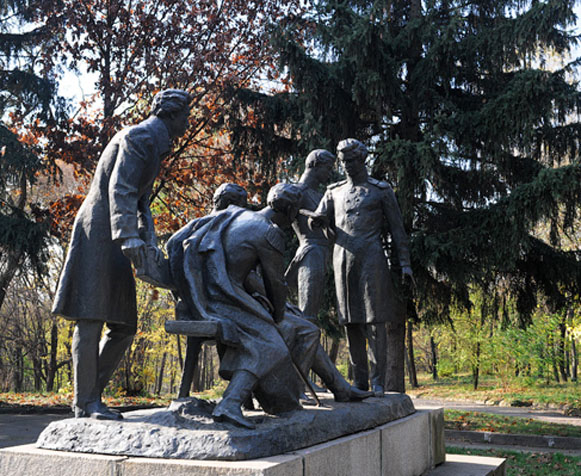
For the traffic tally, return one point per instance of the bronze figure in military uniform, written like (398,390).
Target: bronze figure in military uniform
(114,229)
(357,210)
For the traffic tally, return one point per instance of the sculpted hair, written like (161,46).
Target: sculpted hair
(353,146)
(282,196)
(319,157)
(168,101)
(229,194)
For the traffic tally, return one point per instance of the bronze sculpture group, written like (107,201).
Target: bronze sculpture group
(228,268)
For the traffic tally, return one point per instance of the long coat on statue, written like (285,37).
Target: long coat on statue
(97,280)
(360,214)
(217,258)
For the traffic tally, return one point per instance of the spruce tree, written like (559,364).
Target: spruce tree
(471,112)
(27,94)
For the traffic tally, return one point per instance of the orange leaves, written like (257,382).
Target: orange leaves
(63,212)
(138,48)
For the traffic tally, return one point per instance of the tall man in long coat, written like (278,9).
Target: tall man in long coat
(114,229)
(358,209)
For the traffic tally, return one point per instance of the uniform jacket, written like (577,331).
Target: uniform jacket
(360,214)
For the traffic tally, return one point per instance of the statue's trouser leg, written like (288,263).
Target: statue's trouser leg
(356,337)
(111,350)
(331,377)
(302,338)
(377,352)
(85,350)
(311,287)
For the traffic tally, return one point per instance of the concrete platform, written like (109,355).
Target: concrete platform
(468,465)
(411,446)
(186,430)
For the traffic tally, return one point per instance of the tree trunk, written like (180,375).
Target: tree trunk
(37,372)
(573,359)
(180,356)
(334,352)
(410,348)
(52,363)
(159,382)
(8,274)
(476,368)
(553,358)
(395,372)
(407,364)
(434,359)
(211,355)
(18,371)
(561,351)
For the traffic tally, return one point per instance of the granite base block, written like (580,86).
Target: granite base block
(409,439)
(469,465)
(28,460)
(437,429)
(355,454)
(399,448)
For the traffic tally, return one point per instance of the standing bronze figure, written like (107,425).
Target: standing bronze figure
(308,269)
(357,210)
(114,229)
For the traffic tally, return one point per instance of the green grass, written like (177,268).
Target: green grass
(529,464)
(478,421)
(518,392)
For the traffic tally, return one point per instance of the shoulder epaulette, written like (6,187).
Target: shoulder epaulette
(275,238)
(378,183)
(336,184)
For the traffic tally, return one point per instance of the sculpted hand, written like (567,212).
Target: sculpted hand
(318,222)
(159,257)
(134,249)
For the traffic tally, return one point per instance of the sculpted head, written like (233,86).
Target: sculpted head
(284,199)
(320,162)
(173,107)
(229,194)
(352,154)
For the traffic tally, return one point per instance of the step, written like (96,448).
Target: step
(469,465)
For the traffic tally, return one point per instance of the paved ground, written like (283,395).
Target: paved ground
(23,429)
(551,416)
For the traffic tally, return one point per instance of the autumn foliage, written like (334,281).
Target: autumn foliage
(135,49)
(124,52)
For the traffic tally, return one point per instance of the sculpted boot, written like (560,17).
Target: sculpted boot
(97,410)
(238,390)
(343,392)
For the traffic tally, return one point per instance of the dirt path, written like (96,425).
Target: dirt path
(550,416)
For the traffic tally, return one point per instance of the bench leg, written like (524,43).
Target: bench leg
(193,346)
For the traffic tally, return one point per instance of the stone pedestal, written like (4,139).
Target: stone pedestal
(410,446)
(186,430)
